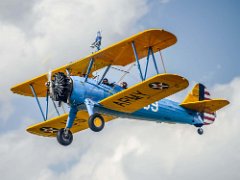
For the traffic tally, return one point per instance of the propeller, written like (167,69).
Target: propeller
(49,76)
(59,87)
(49,82)
(48,85)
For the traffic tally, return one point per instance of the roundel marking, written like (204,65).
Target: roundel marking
(49,130)
(158,85)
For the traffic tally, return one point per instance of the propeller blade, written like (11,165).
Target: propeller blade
(49,76)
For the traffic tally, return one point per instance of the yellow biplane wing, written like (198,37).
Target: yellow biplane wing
(120,53)
(50,127)
(145,93)
(208,106)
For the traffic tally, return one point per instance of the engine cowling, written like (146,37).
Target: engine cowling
(61,87)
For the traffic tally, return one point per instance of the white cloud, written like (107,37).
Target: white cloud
(47,34)
(63,31)
(129,149)
(16,12)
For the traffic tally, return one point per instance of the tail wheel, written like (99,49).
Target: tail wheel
(96,122)
(200,131)
(64,137)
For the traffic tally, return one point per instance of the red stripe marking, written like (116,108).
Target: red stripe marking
(210,114)
(209,118)
(207,93)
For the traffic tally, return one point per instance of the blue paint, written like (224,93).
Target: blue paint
(145,76)
(89,69)
(137,60)
(39,105)
(201,92)
(161,111)
(168,111)
(154,60)
(47,99)
(104,74)
(90,106)
(71,116)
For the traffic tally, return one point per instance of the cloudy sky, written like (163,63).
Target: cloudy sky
(39,35)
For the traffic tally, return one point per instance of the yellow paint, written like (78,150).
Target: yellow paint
(208,106)
(141,94)
(97,122)
(193,96)
(120,54)
(56,123)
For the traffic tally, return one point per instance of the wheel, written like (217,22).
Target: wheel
(64,137)
(96,122)
(200,131)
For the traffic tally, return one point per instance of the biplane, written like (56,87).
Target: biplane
(92,102)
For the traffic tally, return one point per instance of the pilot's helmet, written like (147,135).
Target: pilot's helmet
(124,85)
(105,81)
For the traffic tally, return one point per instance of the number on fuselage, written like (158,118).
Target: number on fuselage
(153,107)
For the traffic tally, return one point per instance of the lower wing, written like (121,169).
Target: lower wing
(50,127)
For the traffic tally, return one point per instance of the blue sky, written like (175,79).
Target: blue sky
(36,36)
(207,33)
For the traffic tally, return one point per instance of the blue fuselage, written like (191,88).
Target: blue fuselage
(161,111)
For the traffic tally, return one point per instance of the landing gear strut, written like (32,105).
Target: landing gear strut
(200,131)
(64,137)
(96,122)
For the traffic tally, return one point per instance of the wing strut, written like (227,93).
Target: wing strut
(39,105)
(47,100)
(89,68)
(104,74)
(137,60)
(154,60)
(55,106)
(145,75)
(150,51)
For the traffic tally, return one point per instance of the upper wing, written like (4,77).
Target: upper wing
(208,106)
(120,53)
(145,93)
(50,127)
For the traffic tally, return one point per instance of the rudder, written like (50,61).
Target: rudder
(199,99)
(198,93)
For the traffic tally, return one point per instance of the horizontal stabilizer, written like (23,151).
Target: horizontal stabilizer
(50,127)
(208,106)
(145,93)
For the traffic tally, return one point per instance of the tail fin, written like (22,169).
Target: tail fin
(198,93)
(199,100)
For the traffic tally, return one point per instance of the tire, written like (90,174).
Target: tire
(63,138)
(200,131)
(96,122)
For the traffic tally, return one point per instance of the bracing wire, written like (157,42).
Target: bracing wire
(121,78)
(162,61)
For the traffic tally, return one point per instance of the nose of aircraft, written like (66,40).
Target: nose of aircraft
(61,87)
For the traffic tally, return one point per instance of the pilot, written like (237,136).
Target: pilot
(124,85)
(105,81)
